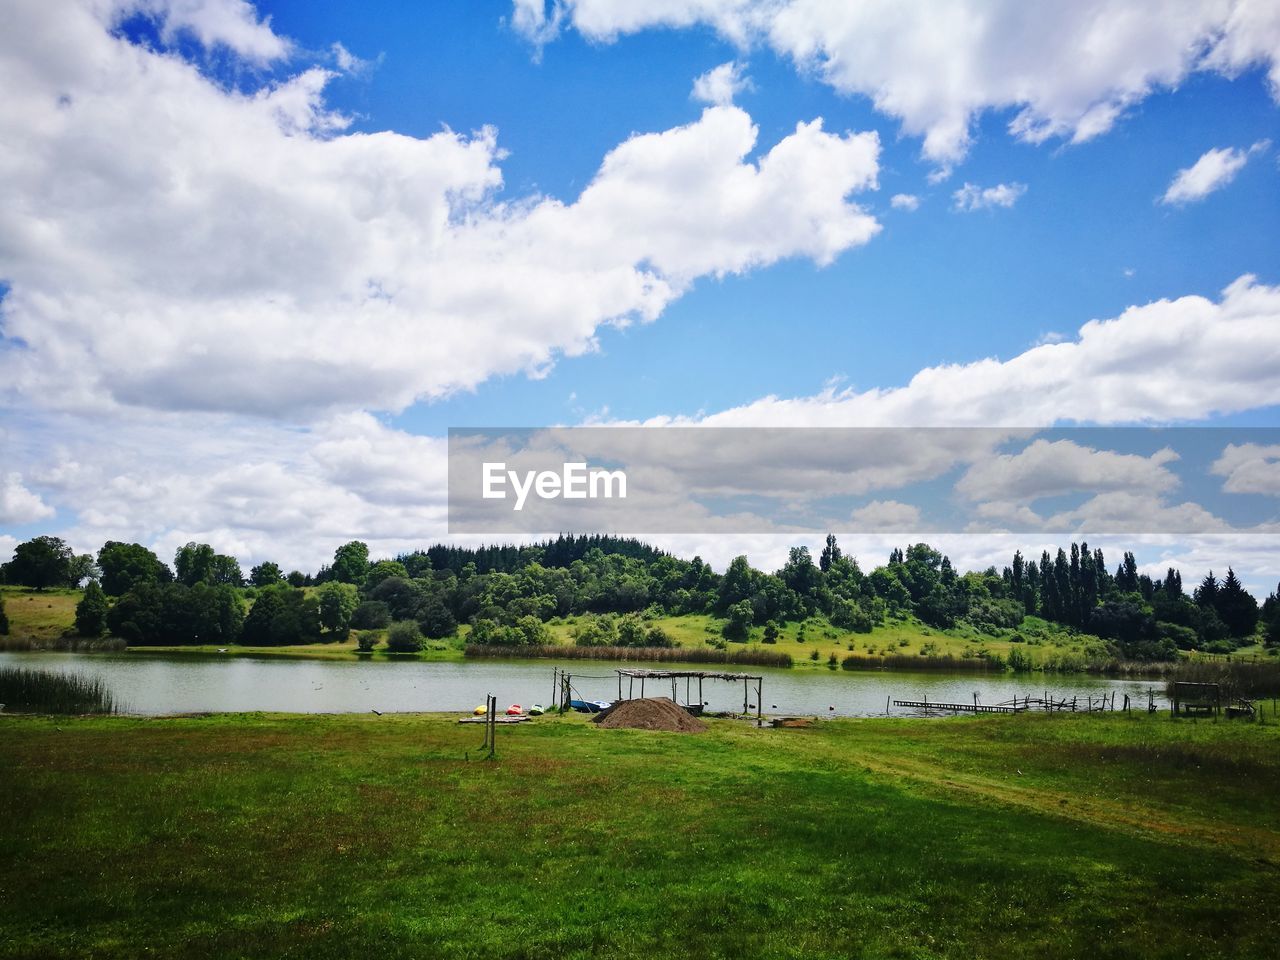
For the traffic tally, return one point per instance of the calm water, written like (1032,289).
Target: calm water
(157,684)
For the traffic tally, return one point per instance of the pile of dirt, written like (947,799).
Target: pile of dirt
(651,713)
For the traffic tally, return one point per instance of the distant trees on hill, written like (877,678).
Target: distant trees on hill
(507,593)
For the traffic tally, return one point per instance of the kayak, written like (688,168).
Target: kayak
(515,710)
(480,711)
(536,710)
(589,706)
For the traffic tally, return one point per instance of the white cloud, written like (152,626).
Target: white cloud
(230,23)
(20,505)
(1047,468)
(1214,170)
(1070,70)
(905,201)
(1249,468)
(252,246)
(719,85)
(971,197)
(885,515)
(1183,359)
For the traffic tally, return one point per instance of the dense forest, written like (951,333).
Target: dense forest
(618,586)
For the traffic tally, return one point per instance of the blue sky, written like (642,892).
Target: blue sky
(935,287)
(209,262)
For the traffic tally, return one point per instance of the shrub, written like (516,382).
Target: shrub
(366,640)
(403,636)
(771,632)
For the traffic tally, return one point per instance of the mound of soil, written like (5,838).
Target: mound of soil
(651,713)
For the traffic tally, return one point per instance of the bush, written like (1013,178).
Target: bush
(403,636)
(771,632)
(1019,662)
(366,640)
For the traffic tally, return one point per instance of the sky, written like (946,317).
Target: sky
(257,259)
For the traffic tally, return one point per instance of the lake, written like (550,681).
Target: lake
(151,684)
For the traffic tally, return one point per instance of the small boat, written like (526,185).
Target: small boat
(480,711)
(537,710)
(515,710)
(590,706)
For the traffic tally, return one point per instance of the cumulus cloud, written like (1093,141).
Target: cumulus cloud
(1183,359)
(20,505)
(1214,170)
(971,197)
(1068,70)
(719,85)
(253,246)
(905,201)
(1250,468)
(1048,468)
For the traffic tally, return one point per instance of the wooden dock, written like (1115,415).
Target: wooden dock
(962,707)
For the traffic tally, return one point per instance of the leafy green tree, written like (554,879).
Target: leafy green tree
(738,626)
(282,614)
(350,562)
(336,603)
(771,632)
(435,619)
(267,573)
(382,570)
(173,613)
(370,615)
(125,565)
(296,578)
(4,619)
(193,562)
(91,611)
(82,568)
(226,570)
(41,562)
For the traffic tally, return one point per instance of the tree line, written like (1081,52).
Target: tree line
(508,593)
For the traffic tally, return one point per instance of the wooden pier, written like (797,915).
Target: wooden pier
(962,707)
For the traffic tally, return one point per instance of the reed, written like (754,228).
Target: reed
(37,691)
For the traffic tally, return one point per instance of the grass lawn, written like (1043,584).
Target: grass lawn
(362,836)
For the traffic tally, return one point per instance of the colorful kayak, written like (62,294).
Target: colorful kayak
(537,710)
(515,710)
(480,711)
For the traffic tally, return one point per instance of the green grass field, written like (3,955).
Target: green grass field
(361,836)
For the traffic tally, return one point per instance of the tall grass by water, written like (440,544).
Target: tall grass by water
(757,658)
(38,691)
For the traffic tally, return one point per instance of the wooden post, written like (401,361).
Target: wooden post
(619,684)
(759,705)
(745,696)
(886,704)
